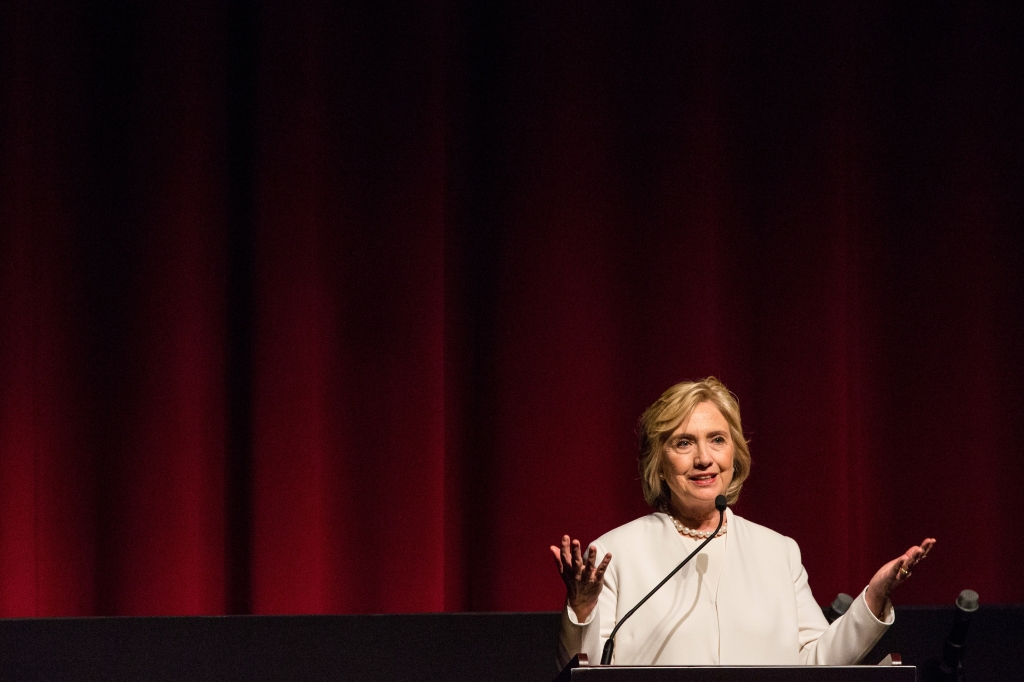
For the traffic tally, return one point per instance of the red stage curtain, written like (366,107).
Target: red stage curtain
(331,308)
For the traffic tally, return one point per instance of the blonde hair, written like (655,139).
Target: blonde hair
(663,417)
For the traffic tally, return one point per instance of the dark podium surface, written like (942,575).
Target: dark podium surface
(860,673)
(422,647)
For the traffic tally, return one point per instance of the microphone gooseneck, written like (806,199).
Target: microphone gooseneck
(609,646)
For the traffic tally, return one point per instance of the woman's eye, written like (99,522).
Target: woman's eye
(720,440)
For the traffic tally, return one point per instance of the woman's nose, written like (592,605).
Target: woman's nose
(702,456)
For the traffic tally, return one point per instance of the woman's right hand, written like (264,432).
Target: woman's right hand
(583,581)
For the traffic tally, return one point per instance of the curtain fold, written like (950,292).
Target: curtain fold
(353,309)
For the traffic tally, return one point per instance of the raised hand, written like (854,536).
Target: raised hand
(583,581)
(894,574)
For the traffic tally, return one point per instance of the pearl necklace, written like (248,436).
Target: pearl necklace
(699,534)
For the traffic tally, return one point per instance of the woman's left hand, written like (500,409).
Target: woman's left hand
(893,574)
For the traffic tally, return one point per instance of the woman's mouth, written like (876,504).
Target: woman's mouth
(704,480)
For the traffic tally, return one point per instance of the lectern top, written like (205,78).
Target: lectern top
(781,673)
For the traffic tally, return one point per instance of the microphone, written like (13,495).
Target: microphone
(952,666)
(606,656)
(840,605)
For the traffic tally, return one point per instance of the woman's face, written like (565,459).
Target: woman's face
(698,460)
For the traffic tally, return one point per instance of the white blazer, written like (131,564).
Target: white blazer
(763,612)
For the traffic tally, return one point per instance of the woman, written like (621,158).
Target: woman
(744,600)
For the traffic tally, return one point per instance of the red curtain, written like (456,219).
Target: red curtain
(333,308)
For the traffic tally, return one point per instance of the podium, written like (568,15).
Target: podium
(578,671)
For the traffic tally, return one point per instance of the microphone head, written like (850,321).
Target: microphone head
(841,603)
(967,601)
(721,503)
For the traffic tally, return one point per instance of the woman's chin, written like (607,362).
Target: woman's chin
(701,500)
(707,494)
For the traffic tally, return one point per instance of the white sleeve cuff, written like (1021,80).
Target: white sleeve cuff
(888,613)
(571,615)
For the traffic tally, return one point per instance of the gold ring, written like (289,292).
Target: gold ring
(904,572)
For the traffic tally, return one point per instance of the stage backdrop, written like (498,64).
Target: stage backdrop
(352,307)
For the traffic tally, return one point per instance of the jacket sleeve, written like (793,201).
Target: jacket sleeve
(847,640)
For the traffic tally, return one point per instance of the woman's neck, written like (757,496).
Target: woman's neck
(694,519)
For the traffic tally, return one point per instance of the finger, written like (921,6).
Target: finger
(599,575)
(591,572)
(577,559)
(921,553)
(909,558)
(566,551)
(557,552)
